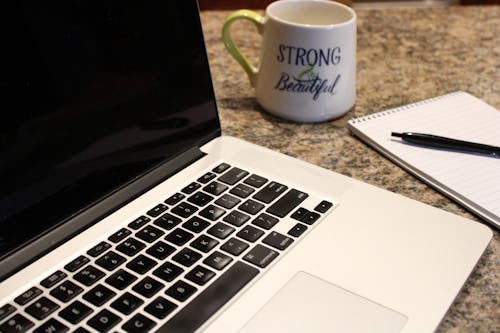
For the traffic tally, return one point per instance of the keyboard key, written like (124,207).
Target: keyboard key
(236,218)
(160,250)
(167,221)
(265,221)
(121,279)
(310,218)
(81,330)
(184,209)
(200,275)
(175,199)
(221,230)
(110,260)
(98,249)
(141,264)
(139,222)
(217,260)
(66,291)
(299,214)
(251,206)
(234,246)
(53,279)
(127,303)
(89,275)
(191,188)
(215,188)
(76,264)
(168,272)
(186,257)
(255,180)
(260,256)
(28,296)
(200,199)
(227,201)
(148,287)
(119,235)
(75,312)
(233,176)
(221,168)
(287,203)
(277,240)
(104,321)
(250,233)
(196,224)
(207,177)
(52,326)
(149,234)
(242,190)
(160,307)
(212,212)
(138,324)
(204,243)
(179,237)
(323,206)
(181,291)
(297,230)
(41,308)
(270,192)
(208,302)
(6,310)
(130,247)
(99,295)
(16,324)
(157,210)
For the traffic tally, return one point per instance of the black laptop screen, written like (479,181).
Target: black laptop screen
(94,93)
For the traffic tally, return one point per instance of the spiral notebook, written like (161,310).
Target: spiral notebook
(473,180)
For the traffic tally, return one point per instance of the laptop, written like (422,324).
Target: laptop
(123,209)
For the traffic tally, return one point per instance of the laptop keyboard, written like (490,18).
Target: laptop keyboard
(178,263)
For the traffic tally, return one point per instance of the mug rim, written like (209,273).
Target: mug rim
(271,6)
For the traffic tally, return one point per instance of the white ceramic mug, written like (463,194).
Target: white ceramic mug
(307,70)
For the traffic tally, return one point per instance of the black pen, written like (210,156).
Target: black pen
(442,142)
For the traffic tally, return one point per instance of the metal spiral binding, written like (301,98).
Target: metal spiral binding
(400,108)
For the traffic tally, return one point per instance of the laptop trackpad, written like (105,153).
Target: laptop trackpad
(309,304)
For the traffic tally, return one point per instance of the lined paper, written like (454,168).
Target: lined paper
(471,179)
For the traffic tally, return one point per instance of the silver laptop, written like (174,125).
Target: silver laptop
(123,209)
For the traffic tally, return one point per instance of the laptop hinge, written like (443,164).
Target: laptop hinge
(91,215)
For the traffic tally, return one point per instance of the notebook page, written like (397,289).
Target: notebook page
(475,177)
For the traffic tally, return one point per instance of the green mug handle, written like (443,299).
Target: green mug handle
(259,21)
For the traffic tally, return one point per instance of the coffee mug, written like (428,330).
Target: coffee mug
(307,70)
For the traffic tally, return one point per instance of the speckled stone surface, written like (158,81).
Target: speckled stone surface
(404,55)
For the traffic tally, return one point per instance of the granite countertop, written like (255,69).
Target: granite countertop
(404,55)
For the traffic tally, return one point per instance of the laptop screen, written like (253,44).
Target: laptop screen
(94,93)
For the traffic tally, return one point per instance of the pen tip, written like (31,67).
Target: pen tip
(396,134)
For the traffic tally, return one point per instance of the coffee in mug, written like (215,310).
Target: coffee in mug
(307,70)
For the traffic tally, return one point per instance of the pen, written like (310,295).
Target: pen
(443,142)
